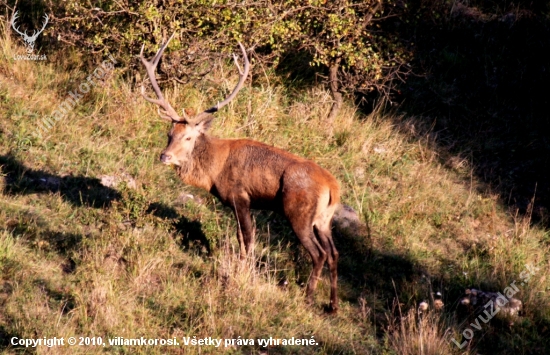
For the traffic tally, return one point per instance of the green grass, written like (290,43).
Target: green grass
(81,259)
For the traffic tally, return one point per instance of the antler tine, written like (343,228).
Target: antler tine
(15,17)
(35,33)
(46,18)
(243,74)
(150,66)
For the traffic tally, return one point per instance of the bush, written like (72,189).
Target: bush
(342,37)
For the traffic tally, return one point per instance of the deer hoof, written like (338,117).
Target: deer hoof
(329,309)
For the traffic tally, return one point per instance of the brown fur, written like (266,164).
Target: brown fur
(246,174)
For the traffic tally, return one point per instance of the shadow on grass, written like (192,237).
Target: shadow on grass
(5,342)
(365,270)
(362,270)
(77,190)
(36,231)
(382,278)
(57,299)
(480,90)
(192,236)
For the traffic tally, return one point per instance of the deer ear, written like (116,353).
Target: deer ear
(204,124)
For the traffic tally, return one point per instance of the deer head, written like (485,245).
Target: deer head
(185,130)
(29,40)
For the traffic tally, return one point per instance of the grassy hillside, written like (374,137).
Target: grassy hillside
(98,239)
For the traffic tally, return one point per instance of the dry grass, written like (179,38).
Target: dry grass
(78,258)
(417,333)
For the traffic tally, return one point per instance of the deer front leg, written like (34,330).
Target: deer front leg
(245,229)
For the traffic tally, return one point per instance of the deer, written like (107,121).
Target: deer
(29,40)
(246,174)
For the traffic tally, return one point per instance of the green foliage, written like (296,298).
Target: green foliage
(346,33)
(133,204)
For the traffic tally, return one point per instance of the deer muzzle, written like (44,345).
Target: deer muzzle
(166,158)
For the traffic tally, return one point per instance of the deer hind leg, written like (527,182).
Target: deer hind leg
(318,256)
(324,234)
(300,216)
(245,228)
(322,222)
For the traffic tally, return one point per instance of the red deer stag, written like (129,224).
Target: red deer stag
(245,174)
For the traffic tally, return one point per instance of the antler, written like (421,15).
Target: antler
(35,33)
(242,78)
(168,111)
(15,16)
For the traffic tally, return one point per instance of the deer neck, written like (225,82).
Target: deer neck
(199,171)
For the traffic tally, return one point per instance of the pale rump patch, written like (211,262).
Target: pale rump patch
(324,211)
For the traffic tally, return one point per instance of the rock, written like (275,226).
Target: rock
(346,218)
(423,307)
(184,197)
(115,180)
(475,300)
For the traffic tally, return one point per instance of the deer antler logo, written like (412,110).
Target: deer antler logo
(29,40)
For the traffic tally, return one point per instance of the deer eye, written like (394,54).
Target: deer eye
(188,138)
